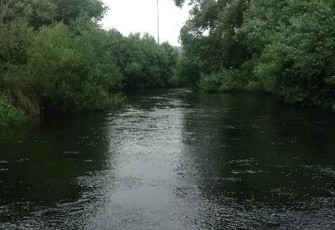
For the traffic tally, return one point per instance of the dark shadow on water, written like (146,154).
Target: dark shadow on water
(260,159)
(173,159)
(40,165)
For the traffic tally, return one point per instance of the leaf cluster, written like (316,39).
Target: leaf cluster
(65,62)
(283,47)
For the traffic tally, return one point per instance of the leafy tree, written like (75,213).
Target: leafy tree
(69,10)
(210,37)
(283,47)
(15,85)
(73,73)
(36,12)
(15,38)
(144,63)
(188,71)
(43,12)
(302,55)
(55,56)
(295,49)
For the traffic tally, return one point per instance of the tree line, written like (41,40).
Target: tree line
(285,47)
(56,58)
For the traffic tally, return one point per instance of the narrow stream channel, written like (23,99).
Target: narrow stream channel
(173,160)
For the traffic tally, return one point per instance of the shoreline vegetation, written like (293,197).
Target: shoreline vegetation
(285,48)
(55,57)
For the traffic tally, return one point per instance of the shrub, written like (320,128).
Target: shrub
(188,71)
(210,83)
(10,115)
(224,81)
(144,63)
(73,73)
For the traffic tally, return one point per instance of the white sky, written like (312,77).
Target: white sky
(141,16)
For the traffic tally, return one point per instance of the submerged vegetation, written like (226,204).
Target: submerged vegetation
(56,58)
(286,48)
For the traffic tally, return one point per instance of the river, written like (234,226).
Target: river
(173,160)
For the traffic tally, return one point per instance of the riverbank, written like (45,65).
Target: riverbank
(75,67)
(249,46)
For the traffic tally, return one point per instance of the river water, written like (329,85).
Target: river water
(173,160)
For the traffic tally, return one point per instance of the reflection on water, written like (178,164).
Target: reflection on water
(173,160)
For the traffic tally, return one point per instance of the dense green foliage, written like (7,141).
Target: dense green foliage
(283,47)
(72,73)
(148,64)
(54,57)
(9,115)
(44,12)
(144,63)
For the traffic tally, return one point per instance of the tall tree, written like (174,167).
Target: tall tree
(211,38)
(284,47)
(68,10)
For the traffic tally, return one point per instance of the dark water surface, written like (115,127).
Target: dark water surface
(173,160)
